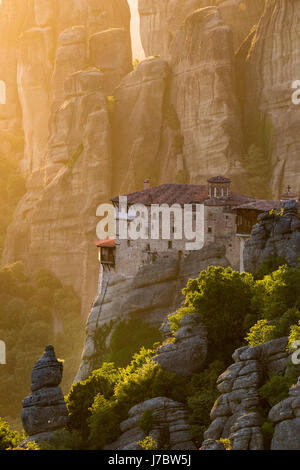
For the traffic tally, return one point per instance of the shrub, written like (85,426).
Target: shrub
(149,443)
(82,395)
(269,266)
(8,438)
(203,395)
(260,333)
(128,338)
(267,432)
(226,443)
(175,319)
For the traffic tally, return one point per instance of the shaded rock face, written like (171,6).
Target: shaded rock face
(203,93)
(236,414)
(187,354)
(272,66)
(151,294)
(274,236)
(54,223)
(286,418)
(161,19)
(67,158)
(45,411)
(170,426)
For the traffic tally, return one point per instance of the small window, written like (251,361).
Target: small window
(209,230)
(129,243)
(170,245)
(148,247)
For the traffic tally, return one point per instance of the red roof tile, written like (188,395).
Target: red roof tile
(108,243)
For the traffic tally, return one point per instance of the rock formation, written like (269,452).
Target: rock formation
(186,355)
(286,418)
(277,235)
(236,413)
(151,294)
(202,62)
(160,19)
(169,426)
(45,411)
(137,124)
(272,65)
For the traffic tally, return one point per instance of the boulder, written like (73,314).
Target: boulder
(169,428)
(187,354)
(44,410)
(236,415)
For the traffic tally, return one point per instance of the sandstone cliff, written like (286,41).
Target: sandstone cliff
(160,19)
(272,65)
(66,122)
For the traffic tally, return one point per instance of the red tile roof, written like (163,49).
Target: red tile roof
(195,194)
(261,205)
(108,243)
(219,179)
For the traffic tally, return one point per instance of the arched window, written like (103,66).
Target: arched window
(2,91)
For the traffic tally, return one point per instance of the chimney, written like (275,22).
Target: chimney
(147,184)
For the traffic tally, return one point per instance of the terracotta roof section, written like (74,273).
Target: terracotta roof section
(219,179)
(289,195)
(261,205)
(195,194)
(169,194)
(108,243)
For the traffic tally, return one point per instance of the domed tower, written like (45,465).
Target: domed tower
(219,187)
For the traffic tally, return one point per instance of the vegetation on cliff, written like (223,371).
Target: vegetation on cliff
(35,312)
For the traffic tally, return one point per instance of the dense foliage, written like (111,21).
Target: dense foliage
(223,298)
(8,438)
(128,338)
(35,312)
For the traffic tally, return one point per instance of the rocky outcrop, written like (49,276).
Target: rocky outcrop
(187,353)
(272,66)
(203,94)
(236,413)
(286,418)
(161,19)
(66,125)
(137,124)
(45,411)
(150,294)
(277,235)
(54,224)
(170,428)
